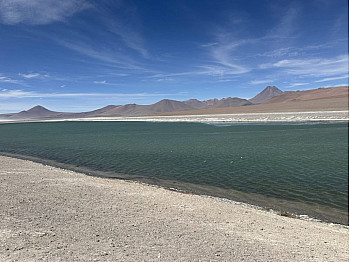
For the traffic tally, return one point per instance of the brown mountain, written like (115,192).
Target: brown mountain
(232,102)
(321,99)
(265,95)
(169,106)
(195,103)
(213,103)
(333,98)
(37,112)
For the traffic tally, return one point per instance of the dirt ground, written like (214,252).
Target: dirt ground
(51,214)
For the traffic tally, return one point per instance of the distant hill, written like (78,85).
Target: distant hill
(271,99)
(37,112)
(321,99)
(265,95)
(169,106)
(215,103)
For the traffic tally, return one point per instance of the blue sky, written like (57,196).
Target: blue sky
(79,55)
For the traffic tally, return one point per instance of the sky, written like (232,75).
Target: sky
(80,55)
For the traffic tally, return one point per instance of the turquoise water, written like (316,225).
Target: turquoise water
(301,168)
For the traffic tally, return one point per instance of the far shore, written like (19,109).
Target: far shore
(217,118)
(53,214)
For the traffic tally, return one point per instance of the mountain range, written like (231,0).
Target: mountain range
(271,97)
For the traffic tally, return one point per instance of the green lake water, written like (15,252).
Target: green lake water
(301,168)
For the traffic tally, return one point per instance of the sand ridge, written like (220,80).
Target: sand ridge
(52,214)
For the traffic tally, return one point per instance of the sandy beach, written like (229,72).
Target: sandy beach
(51,214)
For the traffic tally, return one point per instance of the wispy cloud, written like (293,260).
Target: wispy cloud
(5,93)
(258,82)
(313,66)
(165,79)
(33,75)
(227,80)
(221,61)
(217,70)
(126,26)
(110,56)
(4,79)
(226,49)
(297,84)
(298,51)
(223,55)
(209,44)
(104,82)
(286,27)
(332,78)
(206,70)
(38,12)
(131,38)
(343,84)
(281,52)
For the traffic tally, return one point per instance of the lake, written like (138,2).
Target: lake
(300,168)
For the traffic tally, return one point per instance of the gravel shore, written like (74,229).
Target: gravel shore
(51,214)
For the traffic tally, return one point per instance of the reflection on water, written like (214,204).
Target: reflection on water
(280,163)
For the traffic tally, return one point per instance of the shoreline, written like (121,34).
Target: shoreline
(308,116)
(55,214)
(282,207)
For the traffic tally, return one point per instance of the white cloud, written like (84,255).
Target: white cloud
(313,66)
(165,79)
(332,78)
(104,82)
(100,82)
(258,82)
(207,70)
(209,44)
(297,84)
(223,55)
(33,75)
(38,12)
(217,70)
(227,80)
(344,84)
(4,79)
(4,93)
(30,75)
(284,51)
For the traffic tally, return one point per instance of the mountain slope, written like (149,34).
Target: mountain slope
(265,95)
(321,99)
(232,102)
(37,112)
(169,106)
(313,94)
